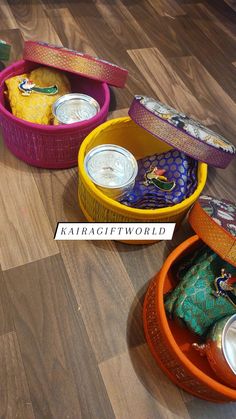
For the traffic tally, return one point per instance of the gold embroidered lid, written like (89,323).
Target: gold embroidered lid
(181,132)
(214,221)
(75,62)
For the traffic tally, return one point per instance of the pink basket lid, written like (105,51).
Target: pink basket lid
(181,132)
(75,62)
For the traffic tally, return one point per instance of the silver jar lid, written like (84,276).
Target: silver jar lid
(112,168)
(229,342)
(75,107)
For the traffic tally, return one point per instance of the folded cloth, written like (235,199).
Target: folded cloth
(194,300)
(178,168)
(37,107)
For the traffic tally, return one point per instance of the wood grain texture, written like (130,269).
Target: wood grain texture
(7,20)
(207,53)
(71,335)
(25,231)
(208,92)
(123,25)
(165,37)
(105,298)
(92,268)
(72,36)
(197,409)
(97,28)
(61,369)
(144,391)
(223,40)
(166,83)
(6,321)
(169,8)
(14,392)
(33,22)
(231,3)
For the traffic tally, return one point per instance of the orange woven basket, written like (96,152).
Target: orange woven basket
(171,344)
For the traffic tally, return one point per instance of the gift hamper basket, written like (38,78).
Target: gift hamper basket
(172,344)
(56,146)
(152,129)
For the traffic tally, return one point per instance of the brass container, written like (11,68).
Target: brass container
(220,349)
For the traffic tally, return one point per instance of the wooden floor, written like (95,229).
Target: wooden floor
(71,338)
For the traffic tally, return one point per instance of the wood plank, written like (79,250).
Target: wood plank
(25,231)
(166,83)
(33,22)
(144,391)
(7,20)
(217,104)
(62,373)
(123,24)
(118,113)
(168,8)
(223,40)
(96,28)
(59,192)
(52,4)
(14,392)
(205,11)
(146,262)
(108,295)
(221,10)
(199,409)
(231,3)
(158,28)
(73,36)
(206,52)
(108,300)
(6,321)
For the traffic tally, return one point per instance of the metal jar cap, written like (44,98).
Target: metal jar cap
(112,168)
(75,62)
(229,343)
(214,221)
(75,107)
(181,132)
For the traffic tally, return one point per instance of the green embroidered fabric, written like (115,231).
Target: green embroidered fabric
(193,301)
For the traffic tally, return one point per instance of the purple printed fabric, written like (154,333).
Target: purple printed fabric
(179,168)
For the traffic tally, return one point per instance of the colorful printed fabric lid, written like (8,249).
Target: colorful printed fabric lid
(75,62)
(181,132)
(5,50)
(214,221)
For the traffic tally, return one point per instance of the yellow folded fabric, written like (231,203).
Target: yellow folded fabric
(37,107)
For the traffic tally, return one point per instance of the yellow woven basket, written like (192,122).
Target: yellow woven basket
(98,207)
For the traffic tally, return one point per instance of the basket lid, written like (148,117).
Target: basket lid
(75,62)
(214,221)
(5,50)
(181,132)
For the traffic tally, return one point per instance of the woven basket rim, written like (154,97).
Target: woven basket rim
(193,369)
(123,209)
(54,128)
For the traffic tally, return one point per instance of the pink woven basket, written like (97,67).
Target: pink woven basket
(48,146)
